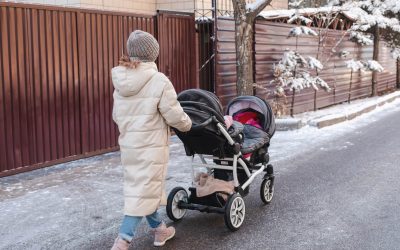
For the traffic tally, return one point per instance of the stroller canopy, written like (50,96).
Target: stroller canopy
(200,105)
(253,103)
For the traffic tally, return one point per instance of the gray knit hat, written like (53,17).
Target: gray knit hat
(142,46)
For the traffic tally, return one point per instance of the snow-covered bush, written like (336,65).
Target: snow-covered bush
(291,72)
(395,53)
(372,65)
(361,38)
(369,65)
(354,65)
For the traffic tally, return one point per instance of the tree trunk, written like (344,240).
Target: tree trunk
(375,57)
(244,20)
(244,55)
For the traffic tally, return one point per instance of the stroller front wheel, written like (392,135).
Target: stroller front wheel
(267,190)
(235,211)
(176,196)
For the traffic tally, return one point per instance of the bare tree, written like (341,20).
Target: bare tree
(245,15)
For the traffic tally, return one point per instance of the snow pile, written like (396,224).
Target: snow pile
(298,31)
(354,65)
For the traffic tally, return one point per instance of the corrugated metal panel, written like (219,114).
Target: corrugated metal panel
(55,84)
(177,58)
(225,78)
(271,41)
(102,40)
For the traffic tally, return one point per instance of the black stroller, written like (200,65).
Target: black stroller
(238,154)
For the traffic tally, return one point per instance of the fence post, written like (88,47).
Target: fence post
(375,57)
(215,17)
(253,54)
(398,73)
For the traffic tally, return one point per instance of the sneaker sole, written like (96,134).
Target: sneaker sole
(160,244)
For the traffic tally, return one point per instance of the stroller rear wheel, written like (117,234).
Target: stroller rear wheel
(267,190)
(176,196)
(235,211)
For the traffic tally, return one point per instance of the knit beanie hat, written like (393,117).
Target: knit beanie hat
(142,46)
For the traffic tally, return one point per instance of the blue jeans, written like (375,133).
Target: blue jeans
(130,224)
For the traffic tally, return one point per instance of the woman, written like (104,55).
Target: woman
(145,105)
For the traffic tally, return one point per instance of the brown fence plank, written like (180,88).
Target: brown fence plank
(44,95)
(101,106)
(83,81)
(3,148)
(15,103)
(7,88)
(106,71)
(65,94)
(76,82)
(31,105)
(68,68)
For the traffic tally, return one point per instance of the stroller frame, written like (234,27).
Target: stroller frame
(234,207)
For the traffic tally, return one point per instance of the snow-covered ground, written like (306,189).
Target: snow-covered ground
(65,205)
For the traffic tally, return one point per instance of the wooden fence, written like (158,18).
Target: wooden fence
(271,41)
(55,85)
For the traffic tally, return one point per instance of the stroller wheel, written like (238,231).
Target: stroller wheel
(267,190)
(176,196)
(235,211)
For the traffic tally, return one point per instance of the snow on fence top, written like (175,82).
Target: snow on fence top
(351,13)
(302,30)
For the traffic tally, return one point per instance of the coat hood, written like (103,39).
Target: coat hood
(129,82)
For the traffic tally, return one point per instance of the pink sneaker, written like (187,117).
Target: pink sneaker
(162,234)
(120,244)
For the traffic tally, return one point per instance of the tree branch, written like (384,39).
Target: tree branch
(259,5)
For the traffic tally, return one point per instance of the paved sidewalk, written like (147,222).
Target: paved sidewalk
(335,114)
(78,205)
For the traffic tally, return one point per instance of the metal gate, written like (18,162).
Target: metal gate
(55,83)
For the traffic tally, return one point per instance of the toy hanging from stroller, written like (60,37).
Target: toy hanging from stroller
(239,153)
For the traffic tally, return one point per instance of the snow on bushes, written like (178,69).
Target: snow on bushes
(363,39)
(354,65)
(369,65)
(292,72)
(373,66)
(314,63)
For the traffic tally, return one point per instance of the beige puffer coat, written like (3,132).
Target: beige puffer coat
(145,105)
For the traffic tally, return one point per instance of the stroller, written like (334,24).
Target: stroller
(237,154)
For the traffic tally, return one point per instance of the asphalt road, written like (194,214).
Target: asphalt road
(334,197)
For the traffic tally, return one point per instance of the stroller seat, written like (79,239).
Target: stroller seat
(254,138)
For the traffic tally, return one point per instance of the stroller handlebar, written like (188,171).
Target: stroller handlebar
(203,124)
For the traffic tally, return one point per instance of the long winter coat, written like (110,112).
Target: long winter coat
(145,105)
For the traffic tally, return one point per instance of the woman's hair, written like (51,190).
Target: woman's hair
(126,62)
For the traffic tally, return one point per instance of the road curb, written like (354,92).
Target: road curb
(286,124)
